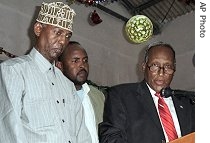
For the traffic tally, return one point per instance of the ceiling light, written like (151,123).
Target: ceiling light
(139,29)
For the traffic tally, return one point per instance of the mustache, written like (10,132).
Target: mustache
(83,70)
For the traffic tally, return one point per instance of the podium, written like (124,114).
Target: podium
(190,138)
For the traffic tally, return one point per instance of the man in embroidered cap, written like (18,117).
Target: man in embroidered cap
(37,102)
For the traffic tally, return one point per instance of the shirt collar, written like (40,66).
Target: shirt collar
(86,88)
(151,90)
(43,64)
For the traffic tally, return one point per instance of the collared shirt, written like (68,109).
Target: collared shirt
(38,103)
(89,112)
(171,107)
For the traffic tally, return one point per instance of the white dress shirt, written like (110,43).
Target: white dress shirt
(38,103)
(89,112)
(170,105)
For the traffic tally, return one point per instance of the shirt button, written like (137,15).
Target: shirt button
(52,83)
(57,101)
(63,120)
(69,141)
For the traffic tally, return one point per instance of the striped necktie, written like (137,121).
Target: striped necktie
(166,118)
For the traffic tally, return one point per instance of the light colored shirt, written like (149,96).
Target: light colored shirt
(38,104)
(89,112)
(170,105)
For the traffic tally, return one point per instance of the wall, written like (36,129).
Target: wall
(113,59)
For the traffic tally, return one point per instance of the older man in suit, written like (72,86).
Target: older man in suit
(131,112)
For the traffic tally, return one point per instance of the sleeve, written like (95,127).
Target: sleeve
(11,85)
(112,129)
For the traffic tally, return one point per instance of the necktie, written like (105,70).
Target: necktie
(166,118)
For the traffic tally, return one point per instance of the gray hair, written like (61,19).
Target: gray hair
(158,44)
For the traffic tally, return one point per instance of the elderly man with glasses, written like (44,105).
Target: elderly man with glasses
(138,113)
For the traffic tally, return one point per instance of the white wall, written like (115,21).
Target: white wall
(113,59)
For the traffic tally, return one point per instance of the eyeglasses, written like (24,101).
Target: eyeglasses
(167,69)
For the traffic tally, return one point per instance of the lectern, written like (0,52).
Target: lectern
(190,138)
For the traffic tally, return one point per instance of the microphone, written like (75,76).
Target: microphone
(167,92)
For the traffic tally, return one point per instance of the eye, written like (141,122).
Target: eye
(85,60)
(68,36)
(75,60)
(154,65)
(168,67)
(58,33)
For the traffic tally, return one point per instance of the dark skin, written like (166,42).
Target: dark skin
(75,64)
(51,40)
(161,56)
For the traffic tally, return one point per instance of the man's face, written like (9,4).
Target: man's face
(51,40)
(75,64)
(162,57)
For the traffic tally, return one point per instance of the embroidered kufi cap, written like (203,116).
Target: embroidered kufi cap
(57,14)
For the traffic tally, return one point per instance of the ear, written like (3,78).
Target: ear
(38,28)
(143,66)
(59,65)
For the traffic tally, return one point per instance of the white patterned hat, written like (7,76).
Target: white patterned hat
(57,14)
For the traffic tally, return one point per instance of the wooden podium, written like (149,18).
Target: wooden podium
(190,138)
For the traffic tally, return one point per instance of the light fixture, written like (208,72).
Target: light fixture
(94,18)
(91,2)
(139,28)
(7,53)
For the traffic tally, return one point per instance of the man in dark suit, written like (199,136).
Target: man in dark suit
(131,112)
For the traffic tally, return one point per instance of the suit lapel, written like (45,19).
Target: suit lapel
(146,100)
(94,105)
(97,101)
(181,114)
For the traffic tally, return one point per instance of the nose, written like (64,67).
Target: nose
(161,71)
(62,39)
(82,64)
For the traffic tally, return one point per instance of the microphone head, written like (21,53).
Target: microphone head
(166,92)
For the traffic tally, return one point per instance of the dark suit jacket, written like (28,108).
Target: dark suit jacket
(130,115)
